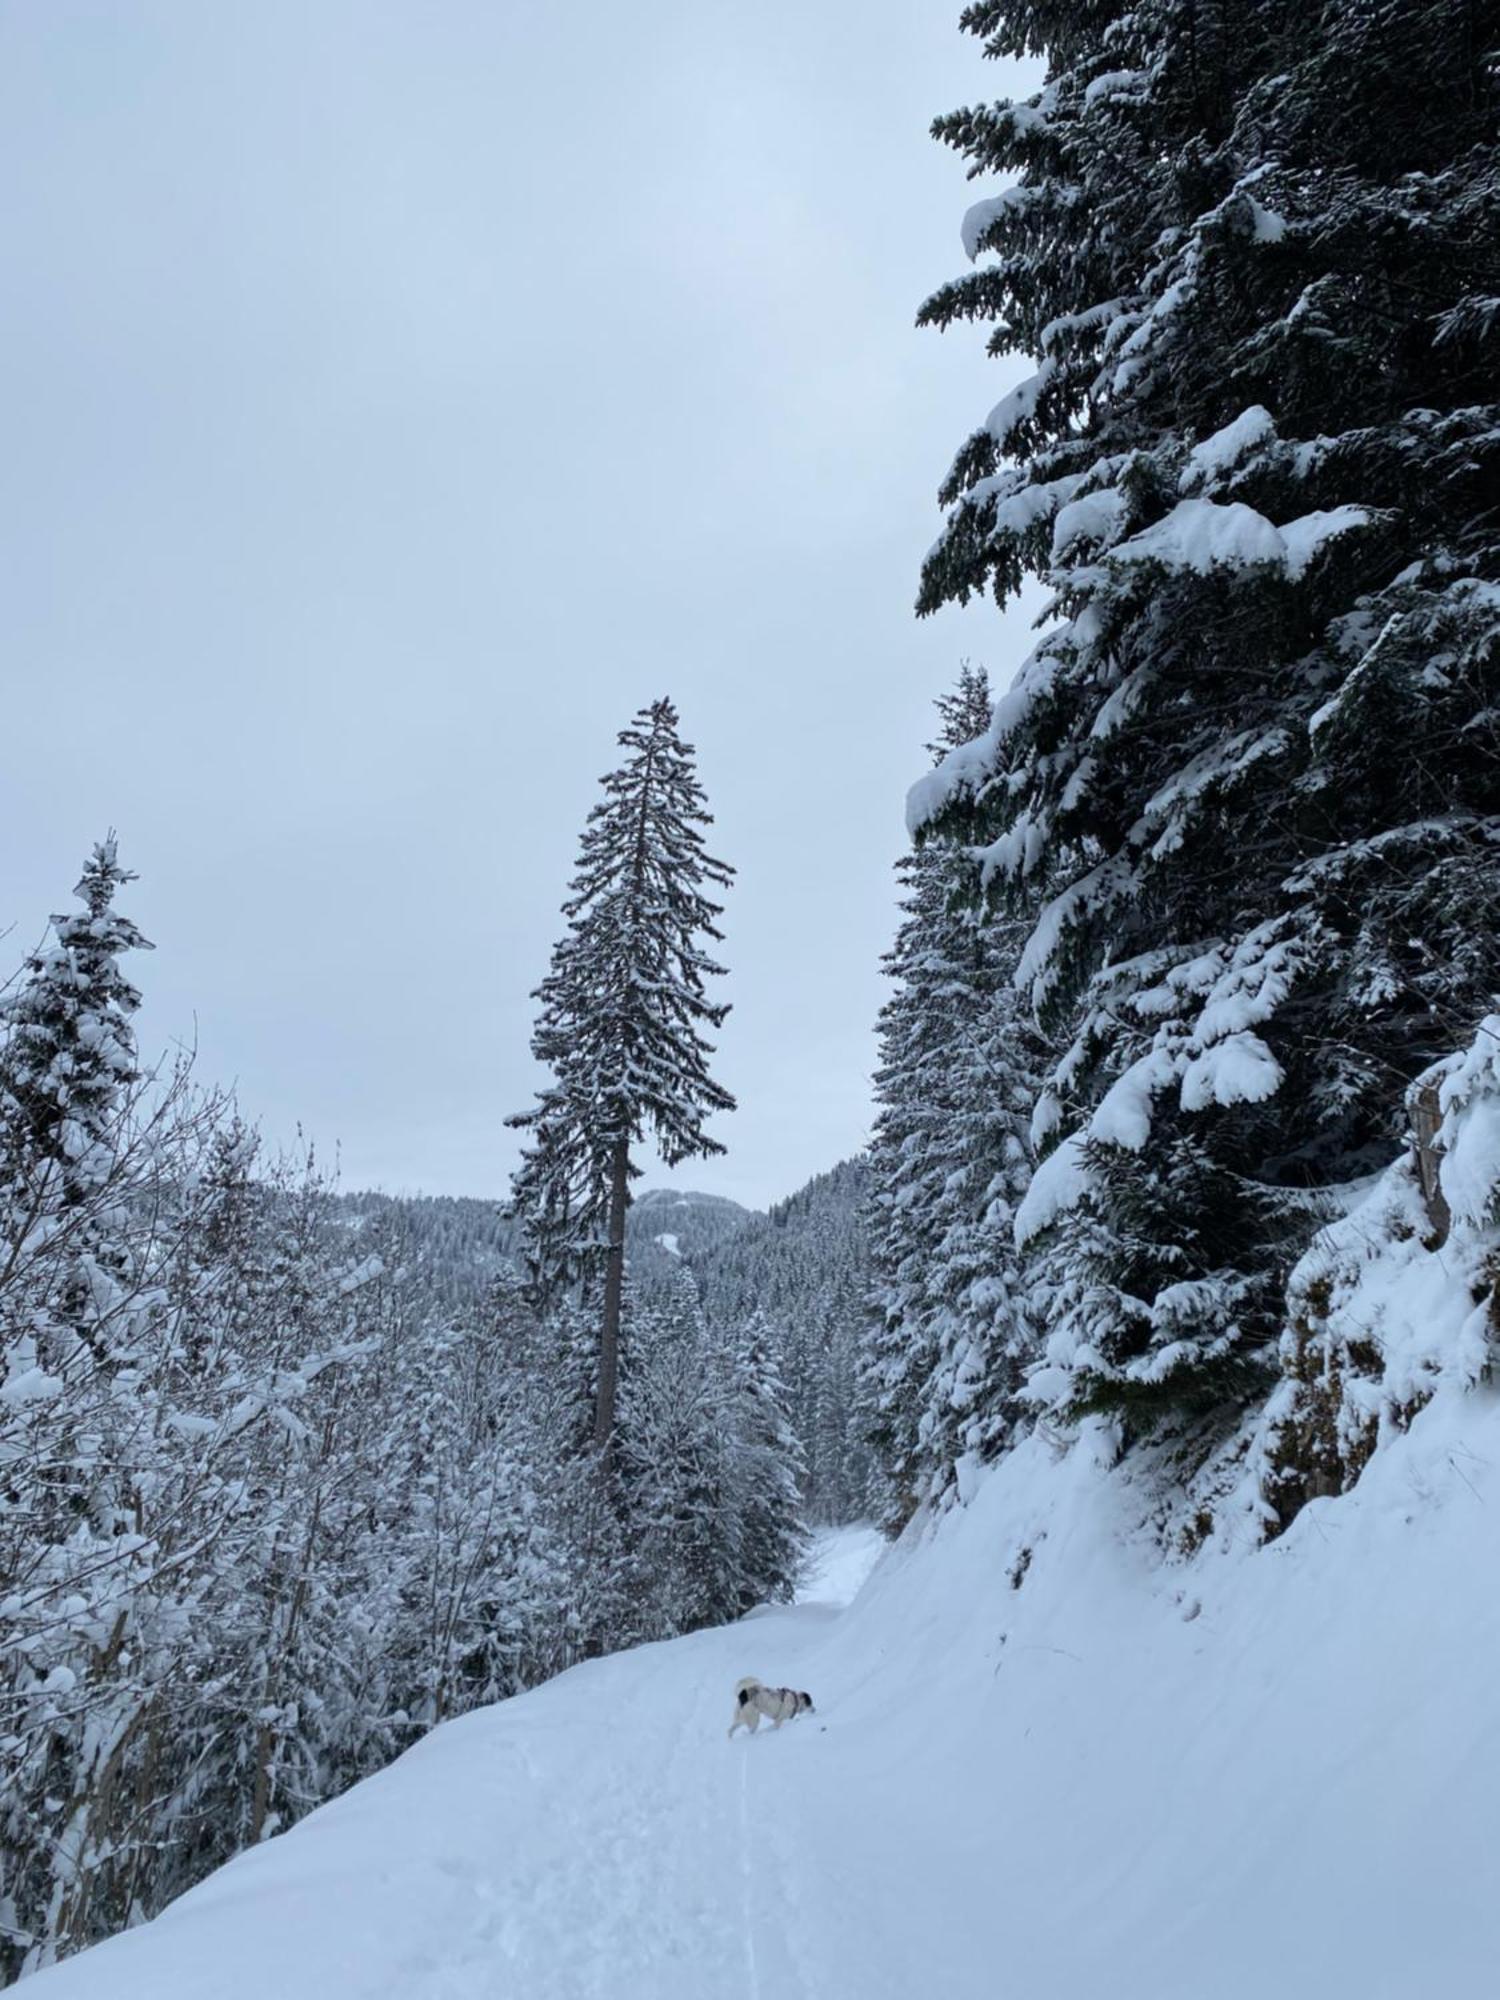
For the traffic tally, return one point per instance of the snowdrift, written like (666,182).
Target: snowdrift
(1044,1764)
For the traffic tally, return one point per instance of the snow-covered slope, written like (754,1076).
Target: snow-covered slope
(1042,1765)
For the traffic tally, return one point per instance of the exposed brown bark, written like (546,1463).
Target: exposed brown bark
(1427,1118)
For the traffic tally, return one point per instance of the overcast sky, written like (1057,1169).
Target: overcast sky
(398,396)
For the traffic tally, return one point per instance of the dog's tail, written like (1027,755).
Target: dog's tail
(745,1688)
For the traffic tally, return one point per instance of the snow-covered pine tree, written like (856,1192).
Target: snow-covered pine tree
(676,1447)
(109,1528)
(803,1269)
(766,1475)
(949,1163)
(623,1010)
(68,1073)
(1250,773)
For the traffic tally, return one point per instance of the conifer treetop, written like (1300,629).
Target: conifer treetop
(70,1053)
(624,1008)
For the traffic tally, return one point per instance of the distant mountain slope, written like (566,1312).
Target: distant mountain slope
(454,1245)
(803,1265)
(808,1250)
(668,1226)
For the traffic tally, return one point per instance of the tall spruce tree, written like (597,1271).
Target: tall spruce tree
(623,1010)
(68,1076)
(1248,785)
(949,1160)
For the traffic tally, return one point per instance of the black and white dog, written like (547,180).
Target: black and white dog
(753,1699)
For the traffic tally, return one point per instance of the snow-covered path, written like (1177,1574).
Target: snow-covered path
(1044,1765)
(599,1836)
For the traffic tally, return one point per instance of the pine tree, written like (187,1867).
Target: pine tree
(768,1467)
(802,1271)
(68,1078)
(676,1449)
(949,1162)
(110,1529)
(1247,788)
(623,1009)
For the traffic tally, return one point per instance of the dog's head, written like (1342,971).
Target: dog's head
(804,1701)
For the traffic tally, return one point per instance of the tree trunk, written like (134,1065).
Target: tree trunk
(614,1288)
(1427,1119)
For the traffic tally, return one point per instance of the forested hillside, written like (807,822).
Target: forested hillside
(801,1275)
(799,1272)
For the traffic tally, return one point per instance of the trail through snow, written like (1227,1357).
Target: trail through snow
(1266,1772)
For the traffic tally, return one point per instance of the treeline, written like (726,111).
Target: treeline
(1205,911)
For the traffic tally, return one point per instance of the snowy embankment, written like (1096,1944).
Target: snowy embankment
(1051,1774)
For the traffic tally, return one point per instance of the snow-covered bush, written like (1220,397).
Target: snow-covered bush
(1396,1302)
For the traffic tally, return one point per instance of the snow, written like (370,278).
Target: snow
(1266,226)
(1114,83)
(1123,1116)
(364,1273)
(1020,404)
(1083,898)
(1020,503)
(669,1242)
(838,1563)
(1305,536)
(1202,535)
(1470,1135)
(30,1385)
(1394,1314)
(965,770)
(1224,450)
(1088,321)
(1238,1070)
(1042,1762)
(981,217)
(1059,1183)
(1356,673)
(1093,518)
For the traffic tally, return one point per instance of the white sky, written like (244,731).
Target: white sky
(398,396)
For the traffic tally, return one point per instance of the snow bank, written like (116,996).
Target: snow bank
(1042,1762)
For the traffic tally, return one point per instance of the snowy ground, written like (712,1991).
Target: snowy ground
(1271,1773)
(838,1563)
